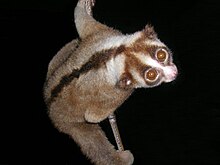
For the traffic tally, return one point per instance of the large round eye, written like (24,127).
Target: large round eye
(151,74)
(161,55)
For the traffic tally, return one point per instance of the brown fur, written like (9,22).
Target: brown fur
(62,56)
(77,89)
(78,94)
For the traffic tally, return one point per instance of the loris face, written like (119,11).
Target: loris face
(148,62)
(159,66)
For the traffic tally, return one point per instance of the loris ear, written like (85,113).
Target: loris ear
(149,32)
(125,82)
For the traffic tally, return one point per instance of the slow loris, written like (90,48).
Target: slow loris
(90,77)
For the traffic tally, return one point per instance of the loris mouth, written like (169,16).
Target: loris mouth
(170,73)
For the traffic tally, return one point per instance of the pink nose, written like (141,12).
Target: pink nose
(170,73)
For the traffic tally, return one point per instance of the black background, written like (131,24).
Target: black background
(176,123)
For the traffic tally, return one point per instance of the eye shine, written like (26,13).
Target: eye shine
(161,55)
(151,74)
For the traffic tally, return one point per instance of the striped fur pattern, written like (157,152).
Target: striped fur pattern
(92,76)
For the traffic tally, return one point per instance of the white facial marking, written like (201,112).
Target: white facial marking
(138,78)
(115,68)
(170,73)
(147,60)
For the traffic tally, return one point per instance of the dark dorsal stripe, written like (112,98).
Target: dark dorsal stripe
(68,51)
(96,61)
(63,82)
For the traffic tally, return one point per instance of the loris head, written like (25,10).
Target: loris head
(148,61)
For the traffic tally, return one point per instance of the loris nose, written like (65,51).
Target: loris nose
(170,73)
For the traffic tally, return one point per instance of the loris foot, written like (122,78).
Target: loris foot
(88,4)
(126,157)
